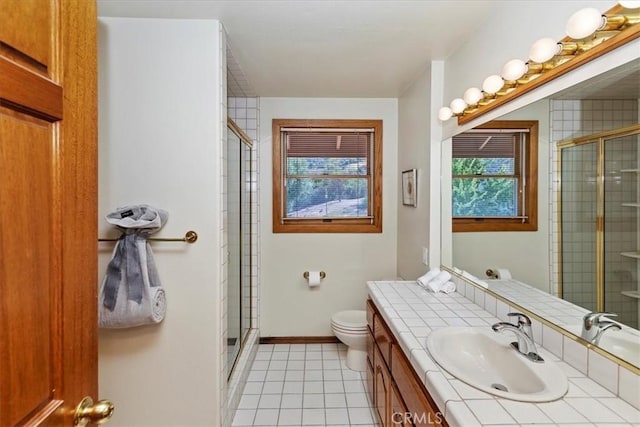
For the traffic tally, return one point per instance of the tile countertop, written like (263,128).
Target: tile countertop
(412,313)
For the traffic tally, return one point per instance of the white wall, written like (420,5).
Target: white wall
(525,253)
(418,227)
(288,306)
(160,139)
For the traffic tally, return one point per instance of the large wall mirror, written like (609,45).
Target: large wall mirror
(586,245)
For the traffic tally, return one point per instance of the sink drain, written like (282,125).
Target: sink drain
(499,387)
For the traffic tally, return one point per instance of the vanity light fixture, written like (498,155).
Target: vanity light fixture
(492,84)
(586,30)
(514,69)
(458,105)
(472,96)
(445,114)
(585,22)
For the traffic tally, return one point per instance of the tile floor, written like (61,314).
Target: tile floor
(304,385)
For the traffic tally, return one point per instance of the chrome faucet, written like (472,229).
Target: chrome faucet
(595,324)
(525,345)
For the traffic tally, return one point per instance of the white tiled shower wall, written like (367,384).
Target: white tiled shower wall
(572,119)
(244,111)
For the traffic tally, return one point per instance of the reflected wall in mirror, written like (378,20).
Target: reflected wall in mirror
(586,249)
(238,206)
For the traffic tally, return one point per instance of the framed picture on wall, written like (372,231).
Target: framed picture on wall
(409,187)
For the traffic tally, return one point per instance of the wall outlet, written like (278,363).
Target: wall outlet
(425,255)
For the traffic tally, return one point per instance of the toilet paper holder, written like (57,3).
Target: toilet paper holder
(306,275)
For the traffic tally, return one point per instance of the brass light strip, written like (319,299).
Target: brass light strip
(601,43)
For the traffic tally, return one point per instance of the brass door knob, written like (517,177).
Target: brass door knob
(89,412)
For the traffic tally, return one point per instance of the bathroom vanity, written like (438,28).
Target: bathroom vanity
(397,393)
(408,388)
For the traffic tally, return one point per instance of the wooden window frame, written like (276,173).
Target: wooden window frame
(319,225)
(531,196)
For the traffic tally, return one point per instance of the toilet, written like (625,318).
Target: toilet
(350,327)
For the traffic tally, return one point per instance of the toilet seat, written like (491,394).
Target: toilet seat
(350,320)
(352,331)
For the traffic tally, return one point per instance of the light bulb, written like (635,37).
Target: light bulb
(584,22)
(513,70)
(543,50)
(472,95)
(629,4)
(458,105)
(445,114)
(492,84)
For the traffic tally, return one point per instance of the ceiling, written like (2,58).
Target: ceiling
(325,48)
(622,82)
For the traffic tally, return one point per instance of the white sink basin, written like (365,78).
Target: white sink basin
(485,360)
(623,343)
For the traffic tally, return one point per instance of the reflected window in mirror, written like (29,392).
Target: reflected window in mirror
(495,177)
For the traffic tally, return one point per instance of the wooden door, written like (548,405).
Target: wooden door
(48,204)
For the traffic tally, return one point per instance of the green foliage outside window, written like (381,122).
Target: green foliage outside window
(479,190)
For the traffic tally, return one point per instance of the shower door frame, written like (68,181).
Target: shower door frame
(599,139)
(244,332)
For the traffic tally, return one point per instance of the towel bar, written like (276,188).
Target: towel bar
(189,237)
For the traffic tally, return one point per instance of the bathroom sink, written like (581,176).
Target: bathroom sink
(485,360)
(622,343)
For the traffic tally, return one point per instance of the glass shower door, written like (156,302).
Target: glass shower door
(578,224)
(621,214)
(234,248)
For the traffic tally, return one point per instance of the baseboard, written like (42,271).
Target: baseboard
(299,340)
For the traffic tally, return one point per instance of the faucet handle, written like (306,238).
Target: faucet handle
(523,319)
(593,318)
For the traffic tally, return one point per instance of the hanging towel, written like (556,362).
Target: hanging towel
(131,293)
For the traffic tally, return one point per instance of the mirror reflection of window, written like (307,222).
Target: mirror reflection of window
(494,185)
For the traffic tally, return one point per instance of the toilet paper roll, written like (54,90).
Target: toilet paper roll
(314,279)
(503,273)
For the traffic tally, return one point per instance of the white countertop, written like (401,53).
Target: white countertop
(412,313)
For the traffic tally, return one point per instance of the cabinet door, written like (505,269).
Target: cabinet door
(382,389)
(370,375)
(400,415)
(420,405)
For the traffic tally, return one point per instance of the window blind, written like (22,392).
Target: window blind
(485,145)
(327,144)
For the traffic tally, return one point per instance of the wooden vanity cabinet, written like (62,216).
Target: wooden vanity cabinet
(396,392)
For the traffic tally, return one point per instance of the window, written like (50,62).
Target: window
(495,169)
(327,176)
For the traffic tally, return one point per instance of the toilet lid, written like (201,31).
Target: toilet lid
(356,319)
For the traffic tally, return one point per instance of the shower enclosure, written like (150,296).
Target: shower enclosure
(238,205)
(599,215)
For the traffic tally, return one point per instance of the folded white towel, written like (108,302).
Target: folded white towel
(448,287)
(437,283)
(431,274)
